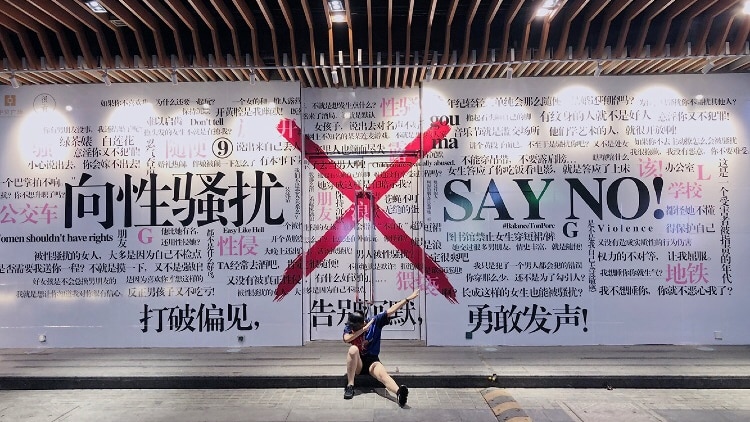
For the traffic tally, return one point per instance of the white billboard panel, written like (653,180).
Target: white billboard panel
(590,210)
(148,215)
(530,211)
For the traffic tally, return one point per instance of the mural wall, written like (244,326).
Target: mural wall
(148,215)
(590,210)
(362,182)
(528,211)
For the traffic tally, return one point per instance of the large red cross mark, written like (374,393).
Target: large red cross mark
(348,220)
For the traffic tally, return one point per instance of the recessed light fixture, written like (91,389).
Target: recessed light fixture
(96,7)
(430,73)
(598,70)
(548,8)
(13,81)
(336,5)
(335,76)
(338,12)
(117,22)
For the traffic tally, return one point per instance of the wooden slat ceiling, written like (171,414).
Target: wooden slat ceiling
(382,43)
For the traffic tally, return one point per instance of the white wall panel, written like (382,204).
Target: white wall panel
(550,211)
(590,210)
(147,215)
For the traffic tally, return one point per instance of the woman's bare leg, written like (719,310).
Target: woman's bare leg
(378,371)
(353,364)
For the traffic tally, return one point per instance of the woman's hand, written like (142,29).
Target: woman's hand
(396,306)
(413,295)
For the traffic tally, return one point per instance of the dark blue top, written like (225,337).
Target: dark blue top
(369,342)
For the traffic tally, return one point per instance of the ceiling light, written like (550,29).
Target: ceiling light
(13,81)
(707,67)
(548,8)
(335,76)
(117,22)
(430,73)
(746,7)
(542,12)
(96,7)
(253,78)
(173,77)
(336,5)
(105,79)
(598,70)
(338,13)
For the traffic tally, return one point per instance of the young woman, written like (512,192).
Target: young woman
(363,334)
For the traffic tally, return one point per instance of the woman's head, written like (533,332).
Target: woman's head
(356,320)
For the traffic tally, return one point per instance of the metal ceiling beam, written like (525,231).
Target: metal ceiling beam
(490,17)
(463,59)
(247,16)
(635,9)
(311,31)
(716,10)
(447,44)
(612,12)
(677,9)
(407,49)
(182,12)
(656,8)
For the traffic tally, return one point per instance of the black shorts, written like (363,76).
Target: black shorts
(367,361)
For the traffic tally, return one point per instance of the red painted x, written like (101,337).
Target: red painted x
(384,223)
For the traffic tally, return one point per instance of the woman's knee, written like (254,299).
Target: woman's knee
(353,351)
(378,371)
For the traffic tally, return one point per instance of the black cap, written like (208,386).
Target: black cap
(356,318)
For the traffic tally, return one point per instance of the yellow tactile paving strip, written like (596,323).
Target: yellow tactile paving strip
(505,408)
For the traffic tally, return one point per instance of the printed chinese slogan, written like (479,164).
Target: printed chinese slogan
(149,215)
(578,211)
(532,211)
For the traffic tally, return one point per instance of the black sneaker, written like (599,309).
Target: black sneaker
(402,394)
(348,392)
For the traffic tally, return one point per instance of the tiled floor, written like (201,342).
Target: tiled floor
(200,384)
(327,404)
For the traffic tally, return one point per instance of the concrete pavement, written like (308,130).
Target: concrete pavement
(327,404)
(634,405)
(549,384)
(321,365)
